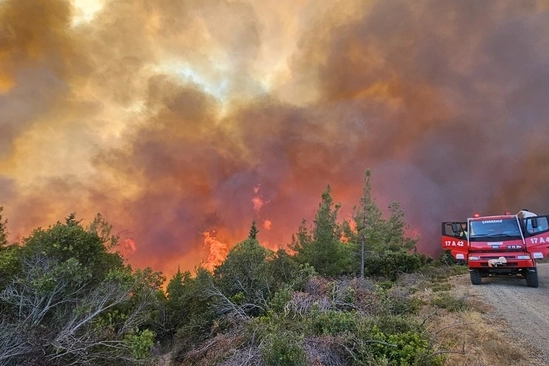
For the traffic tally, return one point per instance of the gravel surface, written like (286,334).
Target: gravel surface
(525,308)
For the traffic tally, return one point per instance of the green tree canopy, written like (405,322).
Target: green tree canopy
(92,246)
(73,301)
(323,248)
(244,277)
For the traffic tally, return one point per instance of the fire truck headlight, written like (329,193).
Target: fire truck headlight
(537,255)
(523,257)
(460,256)
(474,258)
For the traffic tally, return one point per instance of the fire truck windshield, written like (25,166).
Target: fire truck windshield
(496,228)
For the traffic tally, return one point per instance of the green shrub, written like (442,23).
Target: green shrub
(396,324)
(450,303)
(404,305)
(448,259)
(333,322)
(402,349)
(283,348)
(280,299)
(140,343)
(391,264)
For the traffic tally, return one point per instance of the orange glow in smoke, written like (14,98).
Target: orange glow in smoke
(128,247)
(175,121)
(258,203)
(257,200)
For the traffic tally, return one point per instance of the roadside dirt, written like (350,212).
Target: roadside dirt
(523,311)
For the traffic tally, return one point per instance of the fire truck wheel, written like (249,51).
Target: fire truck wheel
(532,278)
(476,279)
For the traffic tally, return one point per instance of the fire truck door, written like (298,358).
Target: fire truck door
(535,225)
(536,235)
(453,229)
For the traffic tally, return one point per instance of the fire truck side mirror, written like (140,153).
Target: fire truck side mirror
(455,229)
(535,224)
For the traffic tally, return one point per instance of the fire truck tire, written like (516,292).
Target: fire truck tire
(532,278)
(476,279)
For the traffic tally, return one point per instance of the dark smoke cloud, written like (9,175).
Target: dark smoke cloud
(170,117)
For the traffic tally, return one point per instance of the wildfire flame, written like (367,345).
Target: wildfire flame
(217,250)
(177,113)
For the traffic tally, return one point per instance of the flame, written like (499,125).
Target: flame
(128,247)
(175,111)
(217,250)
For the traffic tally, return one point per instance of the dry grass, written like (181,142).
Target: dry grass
(472,336)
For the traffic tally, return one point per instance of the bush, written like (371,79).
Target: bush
(450,303)
(391,264)
(448,259)
(396,324)
(407,348)
(280,299)
(333,322)
(283,348)
(140,343)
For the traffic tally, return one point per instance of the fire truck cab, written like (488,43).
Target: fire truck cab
(498,245)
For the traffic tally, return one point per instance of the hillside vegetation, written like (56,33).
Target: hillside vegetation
(344,295)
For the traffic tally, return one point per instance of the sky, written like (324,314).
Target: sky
(182,121)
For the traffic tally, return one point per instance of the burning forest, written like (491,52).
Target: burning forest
(184,121)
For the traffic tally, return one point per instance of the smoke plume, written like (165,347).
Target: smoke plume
(182,121)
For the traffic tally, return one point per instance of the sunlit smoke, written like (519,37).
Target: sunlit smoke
(174,118)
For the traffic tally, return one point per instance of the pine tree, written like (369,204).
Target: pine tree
(253,232)
(322,248)
(3,229)
(368,219)
(395,231)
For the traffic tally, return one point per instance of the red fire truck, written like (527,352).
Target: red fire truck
(506,245)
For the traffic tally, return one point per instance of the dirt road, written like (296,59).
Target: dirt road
(525,308)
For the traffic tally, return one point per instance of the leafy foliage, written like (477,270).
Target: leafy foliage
(391,264)
(140,343)
(245,277)
(66,297)
(191,310)
(369,219)
(189,303)
(384,244)
(402,349)
(283,348)
(90,247)
(323,248)
(74,300)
